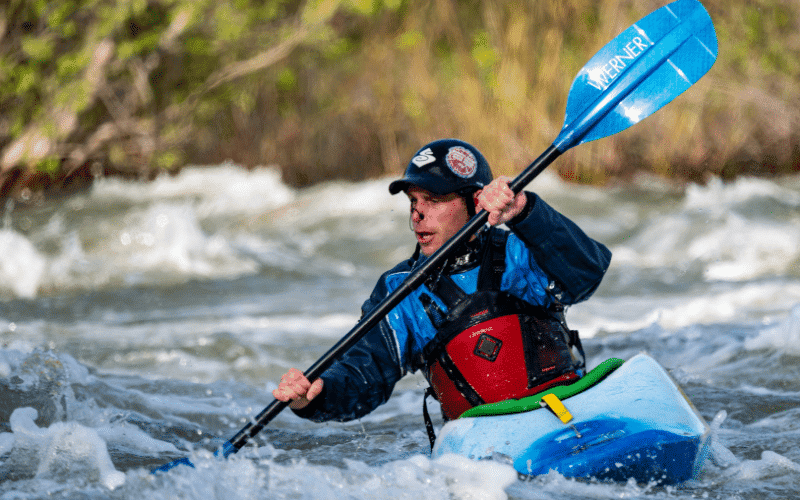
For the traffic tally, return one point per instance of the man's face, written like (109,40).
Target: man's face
(435,218)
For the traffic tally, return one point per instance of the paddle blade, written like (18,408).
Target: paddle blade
(172,465)
(641,70)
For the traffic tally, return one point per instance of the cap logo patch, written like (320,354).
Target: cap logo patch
(461,161)
(423,158)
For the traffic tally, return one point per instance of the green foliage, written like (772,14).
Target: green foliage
(49,165)
(346,88)
(39,49)
(168,160)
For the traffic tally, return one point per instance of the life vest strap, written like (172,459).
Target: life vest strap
(427,416)
(455,375)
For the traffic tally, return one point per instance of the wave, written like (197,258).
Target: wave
(205,223)
(784,337)
(225,222)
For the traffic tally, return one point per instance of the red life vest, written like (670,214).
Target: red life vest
(491,346)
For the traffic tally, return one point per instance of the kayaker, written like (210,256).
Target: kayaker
(489,325)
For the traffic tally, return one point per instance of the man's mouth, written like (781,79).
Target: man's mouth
(424,237)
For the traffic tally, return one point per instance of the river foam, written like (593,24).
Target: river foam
(142,322)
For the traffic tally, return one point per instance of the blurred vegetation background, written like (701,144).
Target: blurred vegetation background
(350,89)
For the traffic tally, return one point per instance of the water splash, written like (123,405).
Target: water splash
(784,337)
(22,266)
(62,452)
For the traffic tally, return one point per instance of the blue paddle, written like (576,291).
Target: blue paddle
(641,70)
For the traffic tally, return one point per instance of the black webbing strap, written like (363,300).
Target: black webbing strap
(490,274)
(466,390)
(493,262)
(446,289)
(575,340)
(427,416)
(432,309)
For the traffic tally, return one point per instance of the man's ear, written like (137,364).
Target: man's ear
(475,197)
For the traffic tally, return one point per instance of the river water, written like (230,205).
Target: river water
(142,322)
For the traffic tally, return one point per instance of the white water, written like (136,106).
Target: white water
(142,322)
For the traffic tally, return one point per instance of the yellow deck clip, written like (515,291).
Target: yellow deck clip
(557,407)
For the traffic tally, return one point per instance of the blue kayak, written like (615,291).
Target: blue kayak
(622,420)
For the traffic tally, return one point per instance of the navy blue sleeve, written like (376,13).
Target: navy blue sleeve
(576,262)
(364,377)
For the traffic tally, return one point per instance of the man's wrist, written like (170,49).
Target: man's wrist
(523,214)
(312,406)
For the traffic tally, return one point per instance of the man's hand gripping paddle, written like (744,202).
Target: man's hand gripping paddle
(641,70)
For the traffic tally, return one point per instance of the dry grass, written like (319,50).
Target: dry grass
(497,74)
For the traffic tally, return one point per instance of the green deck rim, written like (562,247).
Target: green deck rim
(529,403)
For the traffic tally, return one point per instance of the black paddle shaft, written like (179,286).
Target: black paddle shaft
(371,319)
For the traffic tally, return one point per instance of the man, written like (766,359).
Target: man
(488,326)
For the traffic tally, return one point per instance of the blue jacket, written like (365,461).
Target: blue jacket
(544,249)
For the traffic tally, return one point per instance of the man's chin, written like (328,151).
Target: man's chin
(429,249)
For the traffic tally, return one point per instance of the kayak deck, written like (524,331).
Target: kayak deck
(634,423)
